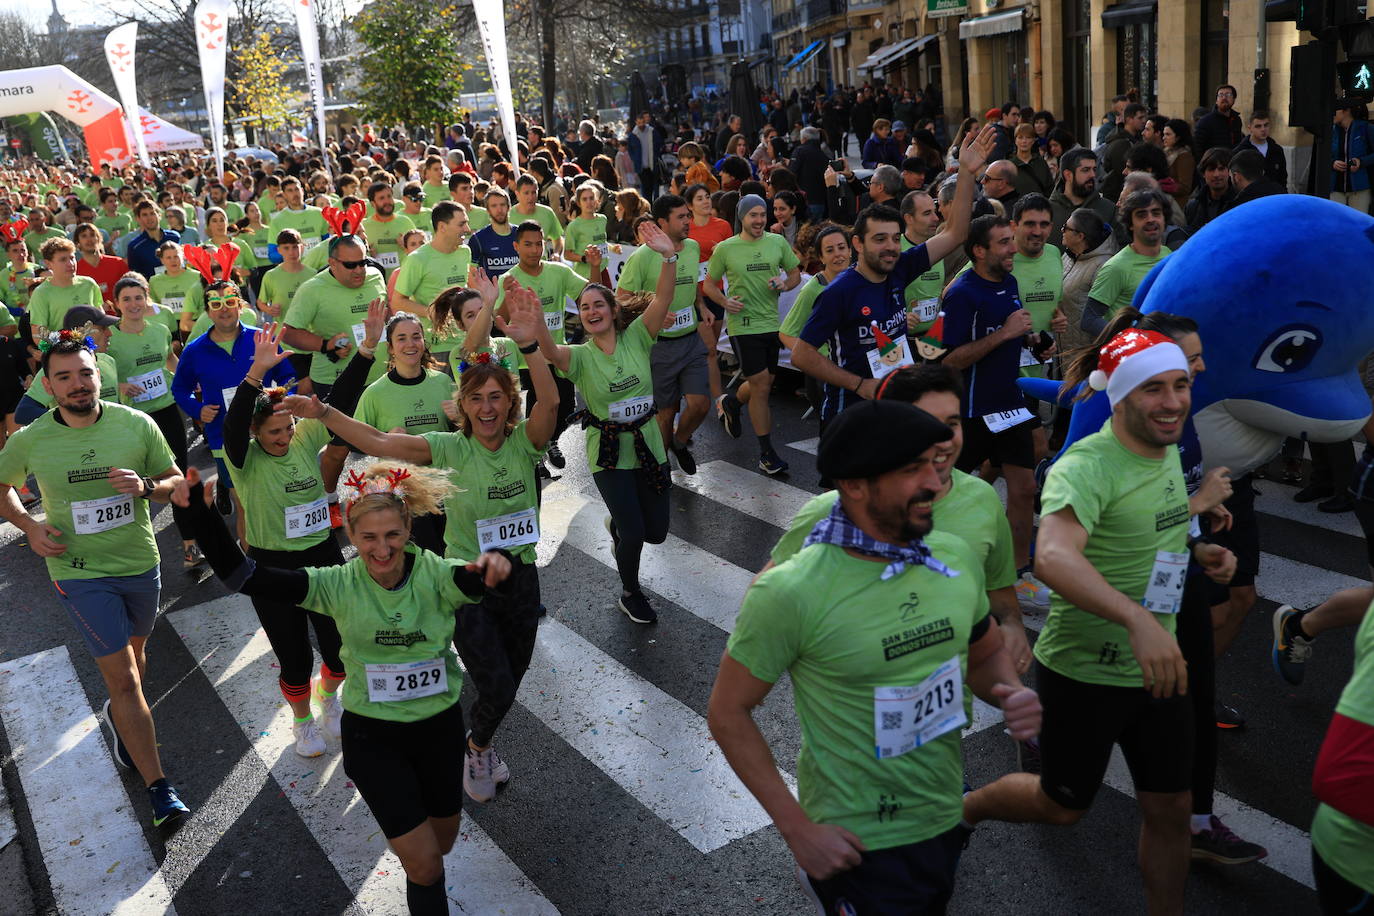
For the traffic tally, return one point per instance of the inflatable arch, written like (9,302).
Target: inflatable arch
(59,90)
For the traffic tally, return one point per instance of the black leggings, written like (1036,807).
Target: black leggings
(285,623)
(1337,895)
(495,639)
(1194,631)
(567,400)
(638,515)
(173,425)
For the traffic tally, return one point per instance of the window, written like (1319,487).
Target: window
(1135,61)
(1078,114)
(1216,19)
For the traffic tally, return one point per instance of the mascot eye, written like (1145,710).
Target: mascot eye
(1289,349)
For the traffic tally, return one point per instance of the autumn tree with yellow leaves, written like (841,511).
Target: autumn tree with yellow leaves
(259,91)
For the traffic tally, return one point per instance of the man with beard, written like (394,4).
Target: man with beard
(493,246)
(1114,545)
(307,220)
(875,616)
(383,226)
(1115,284)
(92,261)
(1077,189)
(97,464)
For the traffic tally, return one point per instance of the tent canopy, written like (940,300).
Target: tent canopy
(161,136)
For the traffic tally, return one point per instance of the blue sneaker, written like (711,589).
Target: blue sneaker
(1290,650)
(771,464)
(167,808)
(121,753)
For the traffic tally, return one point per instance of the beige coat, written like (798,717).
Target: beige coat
(1078,280)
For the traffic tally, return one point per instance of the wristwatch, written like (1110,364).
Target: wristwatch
(148,487)
(672,259)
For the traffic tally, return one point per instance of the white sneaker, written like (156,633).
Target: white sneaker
(331,710)
(1033,591)
(477,777)
(500,773)
(309,742)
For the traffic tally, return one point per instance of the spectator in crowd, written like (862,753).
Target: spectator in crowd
(1221,126)
(1177,138)
(1275,165)
(1352,155)
(1215,195)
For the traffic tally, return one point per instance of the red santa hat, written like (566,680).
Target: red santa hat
(1131,358)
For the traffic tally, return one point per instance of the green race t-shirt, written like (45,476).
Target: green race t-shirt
(416,405)
(15,291)
(970,510)
(378,626)
(547,220)
(49,303)
(283,496)
(35,239)
(1117,280)
(556,283)
(109,382)
(801,310)
(1343,842)
(491,486)
(618,387)
(478,218)
(640,275)
(279,287)
(425,273)
(1132,507)
(180,294)
(748,265)
(922,294)
(141,359)
(1041,282)
(844,635)
(384,237)
(326,307)
(72,468)
(582,232)
(308,221)
(116,225)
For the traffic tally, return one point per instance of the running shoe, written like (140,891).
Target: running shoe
(1229,717)
(121,753)
(636,607)
(1291,650)
(728,408)
(556,456)
(1218,844)
(684,459)
(331,710)
(541,471)
(309,741)
(1032,591)
(479,781)
(192,557)
(335,516)
(771,464)
(167,808)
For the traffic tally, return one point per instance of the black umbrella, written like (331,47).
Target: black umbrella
(744,99)
(639,96)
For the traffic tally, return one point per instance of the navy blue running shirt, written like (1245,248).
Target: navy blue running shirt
(976,308)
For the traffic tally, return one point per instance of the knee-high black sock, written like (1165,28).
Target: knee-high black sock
(426,899)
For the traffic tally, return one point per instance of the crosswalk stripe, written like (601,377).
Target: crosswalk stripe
(694,579)
(1286,581)
(768,500)
(224,637)
(1276,499)
(92,846)
(654,747)
(810,446)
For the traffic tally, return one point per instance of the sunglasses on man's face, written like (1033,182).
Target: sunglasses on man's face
(351,265)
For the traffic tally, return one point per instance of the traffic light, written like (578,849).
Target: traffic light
(1315,15)
(1348,12)
(1356,77)
(1310,86)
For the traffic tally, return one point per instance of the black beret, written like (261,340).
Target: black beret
(875,437)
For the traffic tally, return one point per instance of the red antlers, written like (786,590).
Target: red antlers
(347,221)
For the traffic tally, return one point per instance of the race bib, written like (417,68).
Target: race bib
(512,530)
(175,303)
(410,681)
(152,385)
(701,271)
(260,252)
(1006,419)
(1027,358)
(1165,591)
(307,518)
(554,320)
(682,319)
(359,334)
(926,309)
(309,242)
(389,259)
(896,358)
(904,718)
(605,250)
(92,516)
(227,395)
(632,409)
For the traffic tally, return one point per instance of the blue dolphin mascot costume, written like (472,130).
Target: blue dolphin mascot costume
(1282,291)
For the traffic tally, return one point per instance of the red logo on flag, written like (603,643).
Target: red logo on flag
(148,124)
(211,32)
(79,102)
(120,59)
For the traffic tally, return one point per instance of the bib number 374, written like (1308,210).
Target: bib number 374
(904,718)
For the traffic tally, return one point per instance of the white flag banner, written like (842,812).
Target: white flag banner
(119,52)
(314,76)
(491,25)
(212,42)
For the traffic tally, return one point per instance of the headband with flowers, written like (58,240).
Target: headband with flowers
(82,334)
(473,359)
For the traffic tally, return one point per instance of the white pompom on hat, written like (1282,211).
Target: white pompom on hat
(1131,358)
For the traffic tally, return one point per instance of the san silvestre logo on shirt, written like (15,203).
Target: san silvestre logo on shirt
(913,639)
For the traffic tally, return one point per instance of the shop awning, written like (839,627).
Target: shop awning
(996,24)
(1132,12)
(804,54)
(887,52)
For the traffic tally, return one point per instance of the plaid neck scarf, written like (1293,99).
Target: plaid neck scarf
(608,454)
(837,528)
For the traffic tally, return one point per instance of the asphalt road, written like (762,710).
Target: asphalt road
(620,803)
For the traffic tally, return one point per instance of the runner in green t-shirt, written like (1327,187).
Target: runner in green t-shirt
(880,623)
(435,266)
(612,370)
(395,606)
(278,291)
(679,356)
(920,223)
(753,264)
(434,184)
(1114,546)
(109,219)
(98,464)
(217,234)
(413,199)
(276,475)
(1039,273)
(37,398)
(495,505)
(1116,282)
(63,290)
(39,231)
(384,227)
(527,207)
(308,221)
(461,191)
(15,276)
(587,228)
(177,289)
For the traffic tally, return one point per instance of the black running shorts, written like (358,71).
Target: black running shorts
(406,771)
